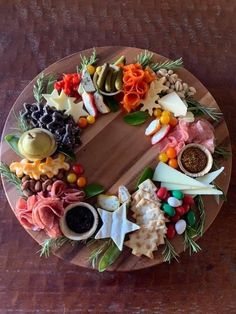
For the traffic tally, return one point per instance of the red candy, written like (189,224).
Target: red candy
(188,200)
(175,218)
(78,169)
(186,207)
(171,231)
(162,193)
(180,210)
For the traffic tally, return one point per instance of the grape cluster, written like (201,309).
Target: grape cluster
(61,125)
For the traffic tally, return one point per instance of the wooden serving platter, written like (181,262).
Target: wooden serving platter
(114,153)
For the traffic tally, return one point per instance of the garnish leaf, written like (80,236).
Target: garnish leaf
(168,65)
(169,252)
(93,189)
(43,84)
(10,176)
(202,218)
(22,124)
(136,118)
(12,140)
(146,174)
(189,242)
(198,109)
(109,257)
(144,58)
(112,103)
(221,152)
(87,61)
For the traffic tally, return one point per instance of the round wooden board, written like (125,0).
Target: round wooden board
(114,153)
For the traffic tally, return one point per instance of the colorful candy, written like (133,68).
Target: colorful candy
(171,231)
(174,202)
(169,210)
(180,226)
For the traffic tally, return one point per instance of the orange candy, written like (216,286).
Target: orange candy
(171,152)
(173,163)
(82,123)
(81,182)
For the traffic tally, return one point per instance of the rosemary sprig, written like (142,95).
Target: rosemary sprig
(198,109)
(95,255)
(144,58)
(87,61)
(189,235)
(169,252)
(50,244)
(10,176)
(221,151)
(168,65)
(44,84)
(202,218)
(22,124)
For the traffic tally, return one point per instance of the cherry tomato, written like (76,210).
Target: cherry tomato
(82,123)
(173,163)
(166,113)
(171,152)
(163,157)
(157,113)
(71,177)
(173,121)
(165,119)
(90,69)
(81,182)
(90,119)
(171,231)
(78,169)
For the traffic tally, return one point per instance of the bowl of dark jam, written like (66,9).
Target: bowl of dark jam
(79,221)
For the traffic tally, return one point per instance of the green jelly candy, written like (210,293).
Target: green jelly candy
(178,194)
(169,210)
(191,218)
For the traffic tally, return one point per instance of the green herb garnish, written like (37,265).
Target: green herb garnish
(198,109)
(189,242)
(51,244)
(93,189)
(221,151)
(44,84)
(87,61)
(136,118)
(22,124)
(109,257)
(169,252)
(202,218)
(168,65)
(112,103)
(10,176)
(147,173)
(144,58)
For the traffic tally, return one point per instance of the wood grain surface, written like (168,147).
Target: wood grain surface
(114,153)
(35,34)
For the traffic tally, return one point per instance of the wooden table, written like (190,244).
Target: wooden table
(36,33)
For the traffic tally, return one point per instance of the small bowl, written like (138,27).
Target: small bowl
(208,164)
(72,234)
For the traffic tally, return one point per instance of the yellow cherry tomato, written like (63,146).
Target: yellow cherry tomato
(90,69)
(81,182)
(165,113)
(173,163)
(71,177)
(90,119)
(157,112)
(171,152)
(163,157)
(165,119)
(82,123)
(173,121)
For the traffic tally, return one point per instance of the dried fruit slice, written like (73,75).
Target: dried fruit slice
(153,127)
(157,137)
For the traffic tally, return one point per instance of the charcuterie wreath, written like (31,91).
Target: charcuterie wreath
(116,158)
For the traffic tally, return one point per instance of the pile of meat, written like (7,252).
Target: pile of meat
(43,213)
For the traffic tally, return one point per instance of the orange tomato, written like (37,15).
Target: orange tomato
(173,163)
(171,152)
(82,123)
(173,121)
(81,182)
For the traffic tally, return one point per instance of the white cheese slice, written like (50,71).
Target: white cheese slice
(203,192)
(173,103)
(87,82)
(181,187)
(208,178)
(165,173)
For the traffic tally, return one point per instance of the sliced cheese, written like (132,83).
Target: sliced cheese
(203,192)
(174,186)
(173,103)
(87,82)
(165,173)
(208,178)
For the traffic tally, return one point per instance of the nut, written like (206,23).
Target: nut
(27,192)
(32,185)
(178,86)
(46,183)
(25,185)
(163,72)
(185,87)
(170,72)
(167,84)
(192,89)
(38,186)
(25,178)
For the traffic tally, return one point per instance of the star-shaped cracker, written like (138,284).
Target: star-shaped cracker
(150,101)
(115,225)
(76,110)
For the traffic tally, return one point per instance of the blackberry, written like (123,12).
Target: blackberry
(61,125)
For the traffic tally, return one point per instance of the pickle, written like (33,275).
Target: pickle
(108,80)
(98,69)
(102,76)
(95,79)
(113,79)
(119,80)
